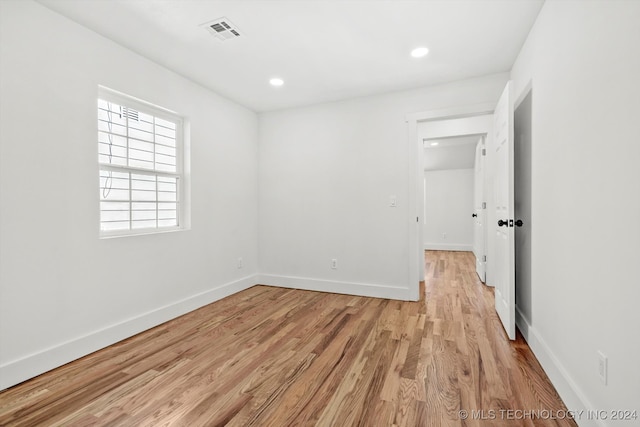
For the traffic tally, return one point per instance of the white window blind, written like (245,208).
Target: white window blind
(140,174)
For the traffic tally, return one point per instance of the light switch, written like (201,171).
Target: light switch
(393,202)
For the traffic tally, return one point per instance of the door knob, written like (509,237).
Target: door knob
(474,215)
(502,223)
(519,223)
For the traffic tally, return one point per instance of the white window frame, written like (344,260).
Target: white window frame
(124,100)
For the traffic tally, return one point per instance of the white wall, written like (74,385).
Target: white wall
(60,296)
(583,62)
(326,176)
(448,204)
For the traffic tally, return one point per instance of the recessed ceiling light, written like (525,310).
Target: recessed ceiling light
(434,143)
(419,52)
(276,82)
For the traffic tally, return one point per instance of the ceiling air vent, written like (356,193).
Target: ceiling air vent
(222,29)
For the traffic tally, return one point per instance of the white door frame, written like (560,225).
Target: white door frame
(416,182)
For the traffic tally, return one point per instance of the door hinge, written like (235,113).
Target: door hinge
(417,219)
(484,258)
(484,151)
(484,205)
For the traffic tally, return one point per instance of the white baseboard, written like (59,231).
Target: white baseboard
(573,397)
(22,369)
(349,288)
(448,247)
(19,370)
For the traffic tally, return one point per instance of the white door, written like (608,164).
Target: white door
(503,193)
(479,217)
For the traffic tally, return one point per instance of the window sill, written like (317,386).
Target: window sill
(118,234)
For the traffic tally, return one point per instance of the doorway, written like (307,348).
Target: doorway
(415,123)
(457,138)
(449,192)
(500,265)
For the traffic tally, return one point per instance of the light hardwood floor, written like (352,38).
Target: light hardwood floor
(280,357)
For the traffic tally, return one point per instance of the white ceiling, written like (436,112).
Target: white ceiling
(325,50)
(451,153)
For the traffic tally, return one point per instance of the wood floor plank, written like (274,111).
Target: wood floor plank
(277,357)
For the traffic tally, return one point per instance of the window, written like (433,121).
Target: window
(139,153)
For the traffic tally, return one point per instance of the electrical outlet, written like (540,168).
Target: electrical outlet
(602,367)
(334,264)
(240,264)
(444,235)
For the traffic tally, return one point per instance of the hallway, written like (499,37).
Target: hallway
(481,369)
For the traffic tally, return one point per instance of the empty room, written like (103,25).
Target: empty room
(319,213)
